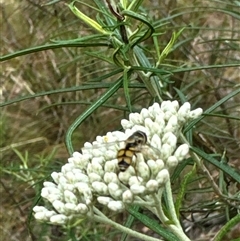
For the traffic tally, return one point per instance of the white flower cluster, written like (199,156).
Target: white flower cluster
(94,176)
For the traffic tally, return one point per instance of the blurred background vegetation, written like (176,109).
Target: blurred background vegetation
(33,130)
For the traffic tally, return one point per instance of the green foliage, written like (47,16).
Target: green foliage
(74,71)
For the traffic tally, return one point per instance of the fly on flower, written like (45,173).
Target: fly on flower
(128,149)
(133,145)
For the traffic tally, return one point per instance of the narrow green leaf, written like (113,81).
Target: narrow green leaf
(182,191)
(126,88)
(87,86)
(152,224)
(129,222)
(144,20)
(228,226)
(212,108)
(87,20)
(59,44)
(134,5)
(224,167)
(181,95)
(89,111)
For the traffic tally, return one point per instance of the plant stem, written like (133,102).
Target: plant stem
(171,206)
(103,219)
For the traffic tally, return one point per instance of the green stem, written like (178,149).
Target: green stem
(176,228)
(158,204)
(178,232)
(101,218)
(171,204)
(224,230)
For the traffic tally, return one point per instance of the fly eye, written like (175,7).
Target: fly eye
(139,141)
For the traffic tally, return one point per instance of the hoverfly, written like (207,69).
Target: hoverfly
(134,144)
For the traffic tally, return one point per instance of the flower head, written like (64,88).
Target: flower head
(94,175)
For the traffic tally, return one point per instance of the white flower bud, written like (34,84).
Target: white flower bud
(52,190)
(166,105)
(195,113)
(83,187)
(166,151)
(62,180)
(96,152)
(144,113)
(172,124)
(137,189)
(142,169)
(67,168)
(55,176)
(153,167)
(134,180)
(45,192)
(104,200)
(135,118)
(100,139)
(58,219)
(160,121)
(156,109)
(52,197)
(50,184)
(70,177)
(111,177)
(79,176)
(162,177)
(98,160)
(110,154)
(70,207)
(82,208)
(59,206)
(111,166)
(93,177)
(100,188)
(172,161)
(37,209)
(156,142)
(119,135)
(49,214)
(153,127)
(170,139)
(181,152)
(169,109)
(116,206)
(125,176)
(126,124)
(69,187)
(168,115)
(70,197)
(114,190)
(77,155)
(127,196)
(87,146)
(148,123)
(40,216)
(152,186)
(78,160)
(160,164)
(183,112)
(96,168)
(175,105)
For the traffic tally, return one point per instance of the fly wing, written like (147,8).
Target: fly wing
(150,152)
(109,149)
